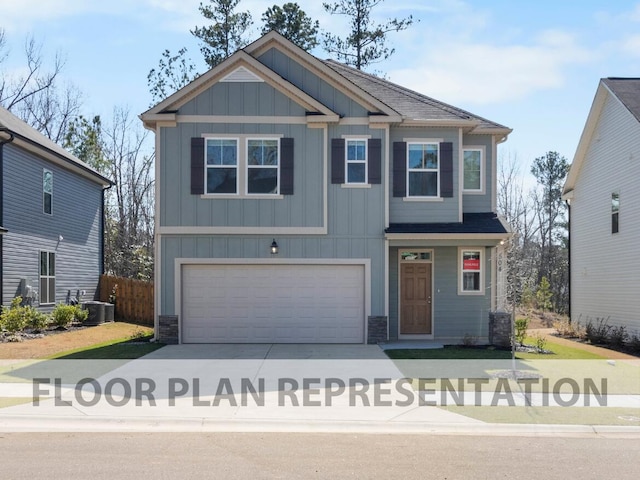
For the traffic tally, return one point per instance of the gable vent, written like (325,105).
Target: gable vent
(241,74)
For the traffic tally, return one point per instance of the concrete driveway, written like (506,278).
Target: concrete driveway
(272,351)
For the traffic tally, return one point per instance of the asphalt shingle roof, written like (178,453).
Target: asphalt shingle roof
(12,123)
(628,91)
(471,223)
(406,102)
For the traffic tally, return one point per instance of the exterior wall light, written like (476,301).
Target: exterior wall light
(274,247)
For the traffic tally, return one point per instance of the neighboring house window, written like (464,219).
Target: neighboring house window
(471,271)
(356,161)
(221,166)
(262,166)
(47,278)
(423,170)
(47,192)
(472,160)
(615,207)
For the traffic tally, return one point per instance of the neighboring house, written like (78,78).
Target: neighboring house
(51,213)
(380,203)
(604,205)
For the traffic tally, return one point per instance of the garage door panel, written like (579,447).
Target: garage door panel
(273,303)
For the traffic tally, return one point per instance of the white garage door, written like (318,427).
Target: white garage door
(273,303)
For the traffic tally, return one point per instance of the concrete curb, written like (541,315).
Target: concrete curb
(54,424)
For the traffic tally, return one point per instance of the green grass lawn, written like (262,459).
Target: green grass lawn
(560,352)
(120,349)
(449,352)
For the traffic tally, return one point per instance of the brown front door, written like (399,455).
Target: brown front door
(415,301)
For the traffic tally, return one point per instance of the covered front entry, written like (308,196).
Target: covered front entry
(273,303)
(416,293)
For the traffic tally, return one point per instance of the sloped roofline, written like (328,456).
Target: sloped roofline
(274,40)
(602,93)
(237,60)
(14,130)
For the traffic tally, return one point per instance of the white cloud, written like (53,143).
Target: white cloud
(477,73)
(631,45)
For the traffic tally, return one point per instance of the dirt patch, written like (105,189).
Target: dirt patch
(70,340)
(537,319)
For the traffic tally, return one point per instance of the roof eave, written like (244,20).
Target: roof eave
(585,138)
(55,157)
(448,236)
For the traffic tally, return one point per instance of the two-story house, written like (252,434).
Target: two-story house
(301,200)
(51,214)
(604,211)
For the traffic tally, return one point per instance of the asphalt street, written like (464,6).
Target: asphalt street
(304,456)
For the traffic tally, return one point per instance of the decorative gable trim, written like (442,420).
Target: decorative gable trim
(318,111)
(241,75)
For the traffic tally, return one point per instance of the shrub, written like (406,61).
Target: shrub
(541,342)
(80,314)
(14,318)
(63,315)
(568,329)
(38,321)
(617,336)
(633,343)
(521,326)
(598,332)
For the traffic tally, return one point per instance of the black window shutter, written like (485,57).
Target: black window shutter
(446,169)
(197,166)
(337,160)
(399,169)
(286,166)
(375,161)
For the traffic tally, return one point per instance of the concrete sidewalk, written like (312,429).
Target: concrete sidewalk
(311,388)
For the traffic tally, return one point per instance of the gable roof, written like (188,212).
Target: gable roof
(627,92)
(386,101)
(28,137)
(414,106)
(239,60)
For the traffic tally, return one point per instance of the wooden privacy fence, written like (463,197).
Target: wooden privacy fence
(133,298)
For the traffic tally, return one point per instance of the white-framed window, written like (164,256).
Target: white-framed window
(263,164)
(47,192)
(47,278)
(471,271)
(221,166)
(615,212)
(242,166)
(356,161)
(473,168)
(423,169)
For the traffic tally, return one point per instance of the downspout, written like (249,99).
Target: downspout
(569,256)
(2,142)
(102,225)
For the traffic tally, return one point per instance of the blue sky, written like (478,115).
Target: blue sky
(530,65)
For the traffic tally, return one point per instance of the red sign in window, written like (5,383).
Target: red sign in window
(471,264)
